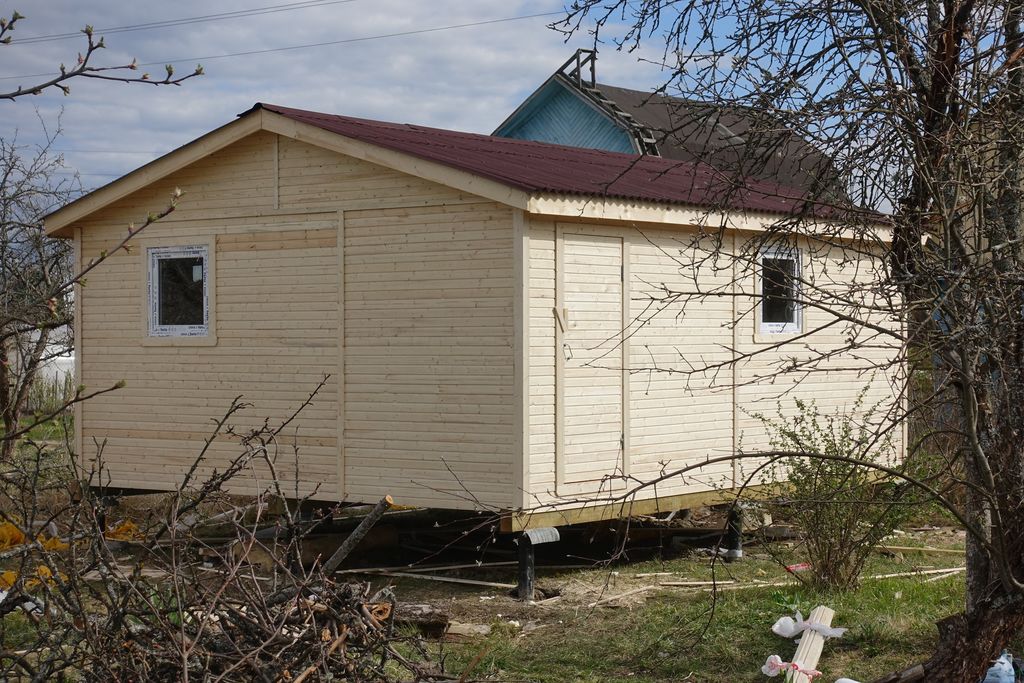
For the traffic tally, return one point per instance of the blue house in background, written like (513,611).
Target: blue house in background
(569,109)
(572,108)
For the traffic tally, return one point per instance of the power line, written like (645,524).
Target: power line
(237,14)
(330,42)
(78,173)
(69,150)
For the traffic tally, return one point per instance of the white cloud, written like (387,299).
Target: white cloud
(464,78)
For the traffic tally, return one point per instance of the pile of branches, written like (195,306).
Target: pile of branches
(93,598)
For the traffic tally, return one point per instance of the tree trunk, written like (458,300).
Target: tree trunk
(7,416)
(967,646)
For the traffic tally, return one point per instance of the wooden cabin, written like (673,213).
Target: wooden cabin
(482,307)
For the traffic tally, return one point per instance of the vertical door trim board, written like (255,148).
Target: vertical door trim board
(342,493)
(734,389)
(627,321)
(561,486)
(76,329)
(521,358)
(559,361)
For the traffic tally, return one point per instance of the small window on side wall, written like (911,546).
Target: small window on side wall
(178,291)
(780,291)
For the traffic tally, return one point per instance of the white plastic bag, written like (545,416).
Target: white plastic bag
(788,627)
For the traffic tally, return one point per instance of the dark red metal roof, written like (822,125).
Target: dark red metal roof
(543,167)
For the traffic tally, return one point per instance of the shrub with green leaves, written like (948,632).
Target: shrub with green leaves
(843,507)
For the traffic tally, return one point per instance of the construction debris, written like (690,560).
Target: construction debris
(813,634)
(458,631)
(447,579)
(616,598)
(918,549)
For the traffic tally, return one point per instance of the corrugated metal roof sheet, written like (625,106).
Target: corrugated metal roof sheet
(543,167)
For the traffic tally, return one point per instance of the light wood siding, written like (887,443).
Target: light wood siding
(592,422)
(313,177)
(276,325)
(677,415)
(277,307)
(833,384)
(541,391)
(429,355)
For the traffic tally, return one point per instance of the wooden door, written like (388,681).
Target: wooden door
(592,418)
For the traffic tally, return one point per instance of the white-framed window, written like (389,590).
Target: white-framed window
(780,311)
(178,291)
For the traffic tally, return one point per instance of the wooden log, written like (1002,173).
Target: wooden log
(341,553)
(808,652)
(357,535)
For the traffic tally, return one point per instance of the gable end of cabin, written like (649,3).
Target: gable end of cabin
(283,264)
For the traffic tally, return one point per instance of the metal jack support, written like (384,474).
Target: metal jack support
(734,535)
(527,562)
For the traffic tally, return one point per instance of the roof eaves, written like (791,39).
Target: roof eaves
(625,210)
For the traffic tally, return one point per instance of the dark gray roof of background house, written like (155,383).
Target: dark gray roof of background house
(735,140)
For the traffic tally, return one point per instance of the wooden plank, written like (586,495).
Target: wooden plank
(614,598)
(604,510)
(919,549)
(625,324)
(444,579)
(280,245)
(340,378)
(277,172)
(79,408)
(733,365)
(808,652)
(559,364)
(541,473)
(592,391)
(655,215)
(521,359)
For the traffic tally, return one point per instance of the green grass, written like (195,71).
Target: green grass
(16,631)
(676,635)
(51,430)
(672,636)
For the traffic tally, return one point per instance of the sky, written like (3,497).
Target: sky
(442,72)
